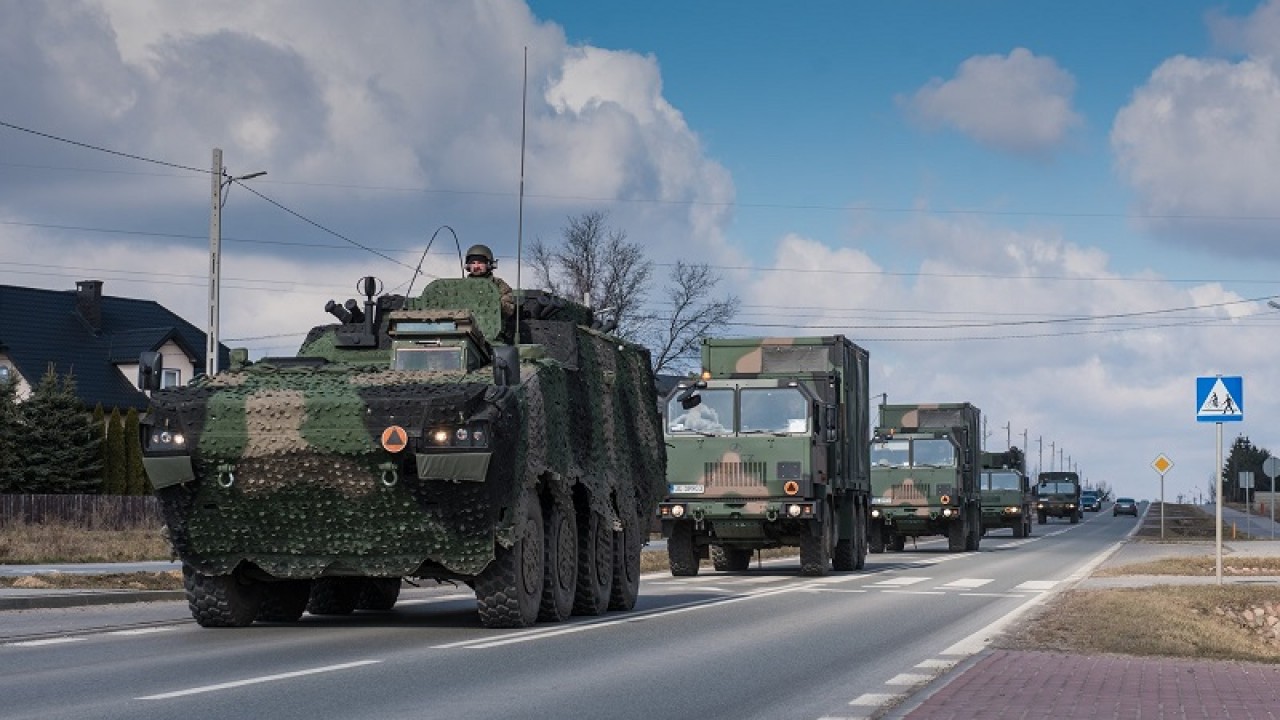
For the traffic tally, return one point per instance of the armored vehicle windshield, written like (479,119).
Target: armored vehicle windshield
(1001,480)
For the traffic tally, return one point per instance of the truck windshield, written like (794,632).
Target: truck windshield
(428,358)
(891,453)
(774,410)
(934,452)
(1057,488)
(712,416)
(1001,480)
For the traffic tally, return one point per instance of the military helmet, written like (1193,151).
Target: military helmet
(481,251)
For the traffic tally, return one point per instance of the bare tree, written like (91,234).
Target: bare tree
(595,263)
(676,338)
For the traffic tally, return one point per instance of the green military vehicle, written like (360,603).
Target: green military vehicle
(1058,495)
(925,467)
(411,441)
(1006,492)
(769,449)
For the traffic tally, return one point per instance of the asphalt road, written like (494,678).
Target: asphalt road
(765,643)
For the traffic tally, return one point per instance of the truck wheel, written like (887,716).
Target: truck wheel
(815,552)
(626,562)
(898,543)
(595,564)
(559,563)
(378,594)
(1026,523)
(957,536)
(1075,517)
(1042,518)
(719,558)
(974,523)
(860,538)
(334,595)
(1020,528)
(283,601)
(681,552)
(845,556)
(509,590)
(220,600)
(875,538)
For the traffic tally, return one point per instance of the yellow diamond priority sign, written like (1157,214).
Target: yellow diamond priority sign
(1162,464)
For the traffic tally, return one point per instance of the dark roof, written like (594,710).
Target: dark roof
(38,327)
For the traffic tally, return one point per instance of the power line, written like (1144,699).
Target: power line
(102,149)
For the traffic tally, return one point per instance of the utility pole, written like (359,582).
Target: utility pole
(1008,439)
(219,180)
(1060,465)
(1051,453)
(1040,457)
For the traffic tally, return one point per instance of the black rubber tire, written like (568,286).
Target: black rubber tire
(1027,522)
(1075,517)
(863,520)
(283,601)
(1020,528)
(845,555)
(559,563)
(957,536)
(595,564)
(815,552)
(509,590)
(627,544)
(875,538)
(334,595)
(378,594)
(974,523)
(682,554)
(898,543)
(1042,518)
(731,559)
(220,600)
(719,559)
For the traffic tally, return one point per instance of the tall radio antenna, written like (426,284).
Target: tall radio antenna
(524,102)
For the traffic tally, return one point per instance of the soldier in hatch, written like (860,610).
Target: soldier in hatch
(479,264)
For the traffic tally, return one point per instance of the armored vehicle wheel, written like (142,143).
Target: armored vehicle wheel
(899,543)
(626,562)
(560,562)
(731,559)
(283,601)
(815,552)
(220,600)
(1026,523)
(595,564)
(861,521)
(719,558)
(378,594)
(509,590)
(681,552)
(1042,518)
(334,595)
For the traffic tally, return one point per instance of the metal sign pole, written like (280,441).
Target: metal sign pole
(1161,506)
(1218,509)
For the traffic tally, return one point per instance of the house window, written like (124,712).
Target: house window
(171,378)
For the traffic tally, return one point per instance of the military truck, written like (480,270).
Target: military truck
(408,440)
(1006,492)
(925,466)
(1058,495)
(767,449)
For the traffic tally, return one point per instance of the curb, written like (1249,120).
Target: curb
(65,600)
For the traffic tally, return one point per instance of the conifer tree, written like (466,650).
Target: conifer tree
(10,428)
(114,481)
(135,473)
(61,444)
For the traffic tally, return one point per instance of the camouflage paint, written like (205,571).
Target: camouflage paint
(1006,508)
(286,470)
(1058,504)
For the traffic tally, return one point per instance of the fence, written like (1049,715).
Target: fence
(94,512)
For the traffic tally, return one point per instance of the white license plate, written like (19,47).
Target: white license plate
(687,489)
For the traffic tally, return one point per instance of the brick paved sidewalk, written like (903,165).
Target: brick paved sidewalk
(1027,685)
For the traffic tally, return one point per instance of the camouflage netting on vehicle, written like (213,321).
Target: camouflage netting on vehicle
(290,474)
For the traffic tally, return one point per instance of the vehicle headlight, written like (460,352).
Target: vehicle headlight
(470,435)
(159,440)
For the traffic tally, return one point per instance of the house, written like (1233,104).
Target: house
(97,339)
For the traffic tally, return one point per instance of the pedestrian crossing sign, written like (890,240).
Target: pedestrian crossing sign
(1219,399)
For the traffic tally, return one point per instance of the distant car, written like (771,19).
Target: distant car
(1125,506)
(1090,501)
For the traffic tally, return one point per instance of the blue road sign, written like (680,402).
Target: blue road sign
(1219,399)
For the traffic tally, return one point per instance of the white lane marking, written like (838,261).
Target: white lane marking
(908,679)
(47,641)
(914,592)
(874,699)
(1036,585)
(258,680)
(967,583)
(897,582)
(142,631)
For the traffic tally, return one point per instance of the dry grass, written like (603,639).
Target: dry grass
(1162,621)
(1206,565)
(26,544)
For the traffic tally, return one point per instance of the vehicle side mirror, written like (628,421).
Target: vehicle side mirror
(831,422)
(506,365)
(150,370)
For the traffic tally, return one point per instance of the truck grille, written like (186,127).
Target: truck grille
(733,474)
(910,491)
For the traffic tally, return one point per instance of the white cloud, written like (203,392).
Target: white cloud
(1198,143)
(1018,103)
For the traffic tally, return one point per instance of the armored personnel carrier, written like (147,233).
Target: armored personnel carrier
(412,439)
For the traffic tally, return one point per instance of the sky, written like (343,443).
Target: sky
(1063,213)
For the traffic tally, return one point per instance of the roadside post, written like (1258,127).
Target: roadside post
(1271,467)
(1162,465)
(1219,399)
(1246,484)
